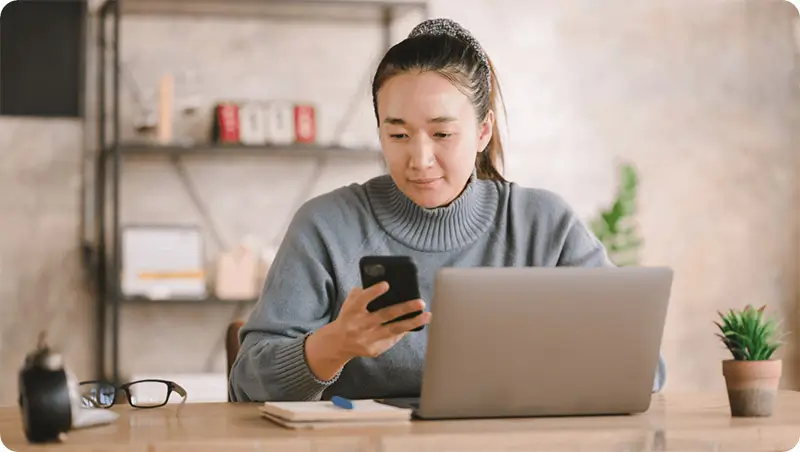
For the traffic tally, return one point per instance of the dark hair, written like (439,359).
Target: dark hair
(461,63)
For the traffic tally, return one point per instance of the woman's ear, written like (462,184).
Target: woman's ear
(485,131)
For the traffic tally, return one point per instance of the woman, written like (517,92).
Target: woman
(444,203)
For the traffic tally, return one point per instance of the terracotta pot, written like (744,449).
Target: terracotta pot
(752,386)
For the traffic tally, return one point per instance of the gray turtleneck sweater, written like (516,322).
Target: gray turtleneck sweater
(491,224)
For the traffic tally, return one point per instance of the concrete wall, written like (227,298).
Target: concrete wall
(700,95)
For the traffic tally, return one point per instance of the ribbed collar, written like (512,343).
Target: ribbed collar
(439,229)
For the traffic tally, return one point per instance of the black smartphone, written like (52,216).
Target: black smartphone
(401,274)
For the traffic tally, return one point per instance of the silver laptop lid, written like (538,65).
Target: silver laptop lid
(543,341)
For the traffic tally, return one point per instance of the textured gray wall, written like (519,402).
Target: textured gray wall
(701,95)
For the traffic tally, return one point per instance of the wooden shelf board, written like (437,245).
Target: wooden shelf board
(180,301)
(225,150)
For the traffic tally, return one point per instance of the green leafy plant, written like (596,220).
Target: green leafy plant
(748,334)
(615,226)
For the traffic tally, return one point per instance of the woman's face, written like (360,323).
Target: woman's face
(430,136)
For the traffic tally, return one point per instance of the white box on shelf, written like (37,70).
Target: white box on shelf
(252,124)
(279,119)
(163,262)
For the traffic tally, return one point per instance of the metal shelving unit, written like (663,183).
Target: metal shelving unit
(103,258)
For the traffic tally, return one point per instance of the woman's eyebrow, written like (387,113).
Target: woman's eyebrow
(441,119)
(438,119)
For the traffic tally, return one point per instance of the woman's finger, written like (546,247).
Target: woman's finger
(404,326)
(392,312)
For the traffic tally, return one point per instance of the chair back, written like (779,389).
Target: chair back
(232,343)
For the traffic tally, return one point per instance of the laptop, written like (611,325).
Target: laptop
(555,341)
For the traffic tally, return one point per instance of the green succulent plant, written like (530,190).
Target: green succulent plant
(748,334)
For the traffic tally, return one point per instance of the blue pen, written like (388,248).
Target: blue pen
(341,402)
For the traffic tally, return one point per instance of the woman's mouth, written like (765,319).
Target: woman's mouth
(425,182)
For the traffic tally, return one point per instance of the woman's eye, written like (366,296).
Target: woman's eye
(398,136)
(442,135)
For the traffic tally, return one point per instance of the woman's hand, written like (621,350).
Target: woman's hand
(356,332)
(364,333)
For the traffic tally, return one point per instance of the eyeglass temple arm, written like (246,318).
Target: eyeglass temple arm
(181,392)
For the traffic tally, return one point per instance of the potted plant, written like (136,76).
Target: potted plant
(615,226)
(752,375)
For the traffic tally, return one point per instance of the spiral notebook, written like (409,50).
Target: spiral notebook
(324,414)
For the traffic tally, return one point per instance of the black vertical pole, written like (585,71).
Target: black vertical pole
(100,195)
(387,27)
(115,268)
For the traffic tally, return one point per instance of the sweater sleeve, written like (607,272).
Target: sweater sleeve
(296,300)
(581,248)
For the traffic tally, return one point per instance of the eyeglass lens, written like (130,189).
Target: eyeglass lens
(146,394)
(97,395)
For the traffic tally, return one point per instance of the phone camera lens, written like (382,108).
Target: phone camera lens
(375,270)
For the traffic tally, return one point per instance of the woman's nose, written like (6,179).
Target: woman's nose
(422,153)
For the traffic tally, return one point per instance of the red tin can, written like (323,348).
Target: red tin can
(305,126)
(226,122)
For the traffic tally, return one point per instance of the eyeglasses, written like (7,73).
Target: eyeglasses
(149,393)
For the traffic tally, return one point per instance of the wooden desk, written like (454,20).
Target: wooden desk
(674,423)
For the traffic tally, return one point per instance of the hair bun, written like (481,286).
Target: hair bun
(449,27)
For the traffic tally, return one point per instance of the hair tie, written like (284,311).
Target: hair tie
(451,28)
